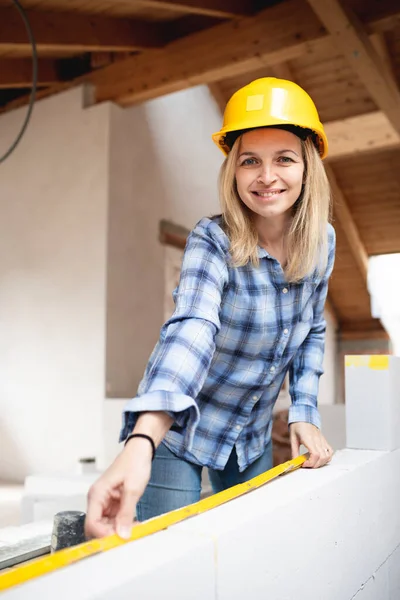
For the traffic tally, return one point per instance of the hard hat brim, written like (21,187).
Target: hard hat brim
(219,136)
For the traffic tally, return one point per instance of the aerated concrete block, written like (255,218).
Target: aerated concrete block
(373,402)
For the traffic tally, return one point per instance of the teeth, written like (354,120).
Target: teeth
(267,194)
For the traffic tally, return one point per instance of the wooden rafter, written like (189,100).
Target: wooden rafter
(223,51)
(17,73)
(352,41)
(74,32)
(342,212)
(225,9)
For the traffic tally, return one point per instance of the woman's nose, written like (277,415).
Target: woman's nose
(267,174)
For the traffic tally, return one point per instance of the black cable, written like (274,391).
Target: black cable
(34,81)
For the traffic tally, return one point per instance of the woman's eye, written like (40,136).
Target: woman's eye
(285,159)
(249,161)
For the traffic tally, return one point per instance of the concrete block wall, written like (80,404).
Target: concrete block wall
(331,533)
(373,414)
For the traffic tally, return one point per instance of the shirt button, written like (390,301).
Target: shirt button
(237,427)
(286,331)
(272,369)
(285,291)
(255,398)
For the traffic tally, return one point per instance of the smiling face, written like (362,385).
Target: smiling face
(269,172)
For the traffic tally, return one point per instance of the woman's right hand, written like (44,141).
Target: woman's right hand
(112,499)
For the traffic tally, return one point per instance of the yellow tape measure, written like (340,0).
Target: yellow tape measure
(63,558)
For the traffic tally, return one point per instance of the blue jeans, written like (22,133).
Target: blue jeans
(175,482)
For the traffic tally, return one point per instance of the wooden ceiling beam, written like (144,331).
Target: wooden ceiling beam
(343,214)
(208,56)
(224,9)
(352,41)
(17,73)
(223,51)
(75,32)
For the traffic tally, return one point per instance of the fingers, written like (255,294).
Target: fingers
(329,452)
(96,525)
(319,456)
(126,513)
(112,499)
(312,461)
(320,452)
(295,444)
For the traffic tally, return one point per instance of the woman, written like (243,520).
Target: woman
(248,309)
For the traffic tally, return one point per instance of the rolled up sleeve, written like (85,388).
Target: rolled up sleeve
(180,361)
(306,367)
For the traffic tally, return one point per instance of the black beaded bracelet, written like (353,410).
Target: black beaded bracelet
(146,437)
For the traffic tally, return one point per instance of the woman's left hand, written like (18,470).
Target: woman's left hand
(311,437)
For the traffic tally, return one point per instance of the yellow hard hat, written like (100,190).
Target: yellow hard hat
(272,102)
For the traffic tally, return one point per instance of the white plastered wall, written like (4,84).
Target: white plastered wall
(162,166)
(53,199)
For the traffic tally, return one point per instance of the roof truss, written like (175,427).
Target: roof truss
(223,51)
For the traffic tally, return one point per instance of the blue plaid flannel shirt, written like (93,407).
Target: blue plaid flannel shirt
(223,355)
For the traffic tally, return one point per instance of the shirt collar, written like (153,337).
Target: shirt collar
(262,253)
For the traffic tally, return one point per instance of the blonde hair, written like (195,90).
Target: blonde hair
(307,238)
